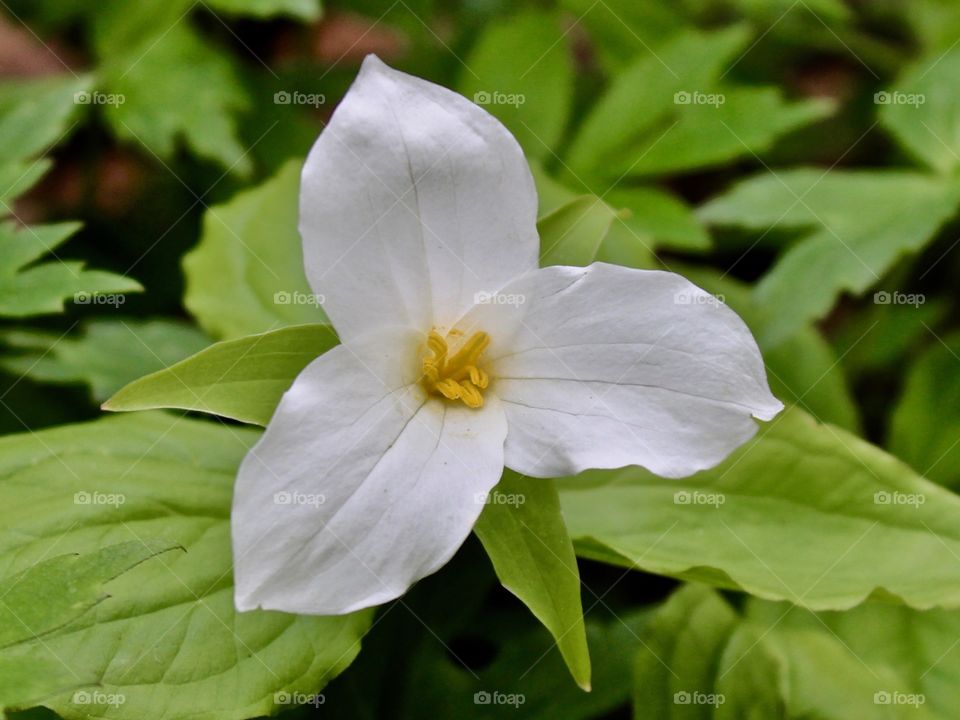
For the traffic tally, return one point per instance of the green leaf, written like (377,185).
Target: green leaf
(678,662)
(158,102)
(106,356)
(572,234)
(923,112)
(523,532)
(805,512)
(860,223)
(246,274)
(30,288)
(168,640)
(742,122)
(926,420)
(241,379)
(34,116)
(667,220)
(520,72)
(642,96)
(305,10)
(43,599)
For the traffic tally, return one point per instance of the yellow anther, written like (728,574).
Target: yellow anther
(457,377)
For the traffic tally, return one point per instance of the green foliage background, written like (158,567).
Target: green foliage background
(800,159)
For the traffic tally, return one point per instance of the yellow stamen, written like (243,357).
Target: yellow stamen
(457,377)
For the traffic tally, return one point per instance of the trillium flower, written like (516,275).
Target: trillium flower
(460,356)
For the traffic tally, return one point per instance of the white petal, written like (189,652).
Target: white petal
(360,485)
(607,366)
(413,200)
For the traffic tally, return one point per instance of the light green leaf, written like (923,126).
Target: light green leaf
(305,10)
(241,379)
(34,115)
(31,288)
(158,103)
(925,424)
(107,355)
(523,532)
(641,97)
(246,274)
(741,122)
(662,216)
(520,72)
(860,224)
(572,234)
(45,598)
(923,112)
(804,512)
(168,640)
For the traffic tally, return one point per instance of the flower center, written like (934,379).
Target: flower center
(457,376)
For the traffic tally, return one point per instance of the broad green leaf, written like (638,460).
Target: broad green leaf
(246,274)
(31,288)
(641,97)
(666,219)
(741,122)
(45,598)
(803,369)
(168,637)
(925,425)
(158,102)
(674,674)
(804,512)
(305,10)
(523,532)
(860,223)
(572,234)
(521,71)
(923,112)
(623,29)
(241,379)
(34,115)
(107,355)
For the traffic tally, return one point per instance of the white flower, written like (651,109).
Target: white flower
(417,211)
